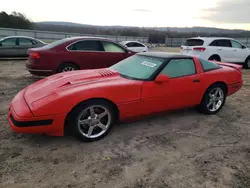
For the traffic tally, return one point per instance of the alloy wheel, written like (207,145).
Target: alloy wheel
(215,99)
(94,121)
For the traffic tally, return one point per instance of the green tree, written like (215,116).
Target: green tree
(15,20)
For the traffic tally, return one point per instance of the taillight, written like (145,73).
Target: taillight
(199,49)
(35,55)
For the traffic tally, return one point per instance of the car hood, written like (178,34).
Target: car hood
(53,84)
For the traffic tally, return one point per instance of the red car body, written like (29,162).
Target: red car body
(43,107)
(47,60)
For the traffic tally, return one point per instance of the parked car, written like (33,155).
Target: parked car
(17,46)
(75,53)
(87,103)
(135,46)
(218,49)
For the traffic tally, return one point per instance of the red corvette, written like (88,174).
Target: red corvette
(88,102)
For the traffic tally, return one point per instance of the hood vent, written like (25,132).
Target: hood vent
(105,72)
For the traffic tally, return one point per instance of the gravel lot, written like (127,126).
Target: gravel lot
(179,149)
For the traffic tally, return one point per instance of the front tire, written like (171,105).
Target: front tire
(92,120)
(213,100)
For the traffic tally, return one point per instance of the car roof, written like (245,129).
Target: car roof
(19,36)
(88,37)
(127,41)
(165,55)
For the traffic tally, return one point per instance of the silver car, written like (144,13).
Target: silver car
(17,46)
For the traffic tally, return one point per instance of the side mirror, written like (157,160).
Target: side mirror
(244,47)
(0,44)
(161,78)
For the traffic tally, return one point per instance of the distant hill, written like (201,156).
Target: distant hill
(174,29)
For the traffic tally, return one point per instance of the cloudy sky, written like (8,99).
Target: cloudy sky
(231,14)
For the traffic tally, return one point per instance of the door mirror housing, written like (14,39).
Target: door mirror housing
(161,78)
(244,47)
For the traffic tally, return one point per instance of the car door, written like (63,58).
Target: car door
(23,45)
(139,47)
(88,54)
(182,90)
(8,47)
(113,53)
(240,52)
(223,48)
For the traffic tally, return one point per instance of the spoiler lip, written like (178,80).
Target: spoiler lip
(232,65)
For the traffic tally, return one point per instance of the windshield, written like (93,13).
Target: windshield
(138,66)
(56,43)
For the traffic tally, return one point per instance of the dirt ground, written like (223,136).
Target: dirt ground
(181,149)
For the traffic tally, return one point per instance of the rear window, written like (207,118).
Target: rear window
(56,43)
(193,42)
(207,65)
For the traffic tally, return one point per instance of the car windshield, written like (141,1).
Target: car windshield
(138,67)
(56,43)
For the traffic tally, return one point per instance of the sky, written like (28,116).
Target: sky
(229,14)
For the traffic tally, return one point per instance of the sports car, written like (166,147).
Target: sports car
(88,103)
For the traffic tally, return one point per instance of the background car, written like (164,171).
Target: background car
(218,49)
(88,103)
(17,46)
(135,46)
(75,53)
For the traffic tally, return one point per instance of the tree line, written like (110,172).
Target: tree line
(20,21)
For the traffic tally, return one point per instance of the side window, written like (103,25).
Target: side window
(138,45)
(9,42)
(207,65)
(25,42)
(224,43)
(34,42)
(87,45)
(130,44)
(236,44)
(214,43)
(179,67)
(111,47)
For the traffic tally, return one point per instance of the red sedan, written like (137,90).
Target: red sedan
(89,102)
(75,53)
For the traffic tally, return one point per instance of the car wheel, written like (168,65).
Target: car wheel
(65,67)
(92,120)
(247,63)
(214,99)
(214,58)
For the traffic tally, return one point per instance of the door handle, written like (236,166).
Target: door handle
(196,80)
(220,49)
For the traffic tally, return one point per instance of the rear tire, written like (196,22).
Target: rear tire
(247,63)
(91,120)
(213,99)
(215,58)
(65,67)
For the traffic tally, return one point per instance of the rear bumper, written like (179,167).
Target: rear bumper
(38,70)
(25,122)
(234,87)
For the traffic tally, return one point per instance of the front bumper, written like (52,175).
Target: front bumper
(21,119)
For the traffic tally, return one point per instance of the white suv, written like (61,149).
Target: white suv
(217,49)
